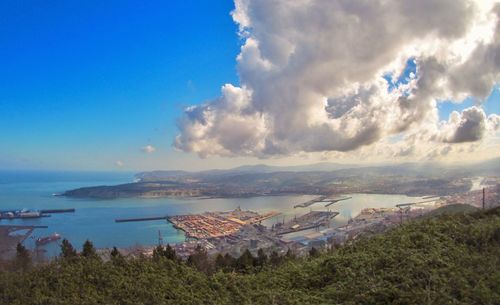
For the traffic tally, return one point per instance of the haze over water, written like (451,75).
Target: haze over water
(94,219)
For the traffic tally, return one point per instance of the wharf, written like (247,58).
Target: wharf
(292,230)
(55,211)
(413,203)
(263,217)
(310,202)
(141,219)
(336,200)
(308,221)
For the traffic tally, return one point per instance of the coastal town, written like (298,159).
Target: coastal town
(235,231)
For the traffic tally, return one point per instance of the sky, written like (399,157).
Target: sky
(129,85)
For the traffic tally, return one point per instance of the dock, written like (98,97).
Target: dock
(310,202)
(55,211)
(141,219)
(311,220)
(261,218)
(336,200)
(401,205)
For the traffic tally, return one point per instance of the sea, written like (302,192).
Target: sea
(94,219)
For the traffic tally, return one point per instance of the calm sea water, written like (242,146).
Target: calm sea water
(94,219)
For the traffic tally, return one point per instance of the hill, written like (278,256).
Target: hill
(410,179)
(450,259)
(452,209)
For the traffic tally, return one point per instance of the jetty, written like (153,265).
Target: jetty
(141,219)
(56,211)
(310,202)
(311,220)
(336,200)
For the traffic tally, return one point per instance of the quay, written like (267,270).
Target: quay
(141,219)
(311,220)
(335,201)
(55,211)
(298,229)
(310,202)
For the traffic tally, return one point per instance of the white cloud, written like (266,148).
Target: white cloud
(119,163)
(148,149)
(311,75)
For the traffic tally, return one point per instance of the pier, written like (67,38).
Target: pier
(310,202)
(335,201)
(320,199)
(311,220)
(141,219)
(55,211)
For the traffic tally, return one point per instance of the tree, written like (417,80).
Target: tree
(275,258)
(245,262)
(23,258)
(67,250)
(261,258)
(88,250)
(169,253)
(116,257)
(115,253)
(289,254)
(158,252)
(220,262)
(313,252)
(199,259)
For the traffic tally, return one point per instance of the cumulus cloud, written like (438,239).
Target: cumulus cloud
(148,149)
(312,77)
(468,126)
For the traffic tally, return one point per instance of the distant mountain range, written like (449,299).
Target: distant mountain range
(415,179)
(489,167)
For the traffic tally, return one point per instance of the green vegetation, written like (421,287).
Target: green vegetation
(451,209)
(450,259)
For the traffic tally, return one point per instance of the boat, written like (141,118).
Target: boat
(47,239)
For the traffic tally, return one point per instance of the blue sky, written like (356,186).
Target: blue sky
(84,84)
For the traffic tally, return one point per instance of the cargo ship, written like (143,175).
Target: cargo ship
(47,239)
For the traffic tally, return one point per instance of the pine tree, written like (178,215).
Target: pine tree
(88,250)
(116,257)
(23,258)
(245,262)
(169,253)
(313,252)
(229,262)
(220,262)
(275,258)
(261,258)
(67,250)
(158,252)
(115,253)
(199,259)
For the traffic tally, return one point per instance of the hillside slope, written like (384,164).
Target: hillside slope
(451,259)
